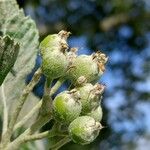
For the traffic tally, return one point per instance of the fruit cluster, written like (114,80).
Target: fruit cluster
(80,107)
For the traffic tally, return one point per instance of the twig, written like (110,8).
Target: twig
(36,126)
(44,116)
(46,107)
(26,137)
(5,111)
(56,86)
(38,105)
(29,115)
(39,136)
(42,120)
(27,90)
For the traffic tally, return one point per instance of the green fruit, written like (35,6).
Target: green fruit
(91,67)
(96,114)
(66,106)
(54,42)
(90,96)
(84,130)
(53,51)
(54,64)
(83,66)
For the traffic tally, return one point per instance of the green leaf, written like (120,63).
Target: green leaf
(8,55)
(23,30)
(7,9)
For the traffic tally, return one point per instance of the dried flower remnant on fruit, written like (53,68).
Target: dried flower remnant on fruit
(98,89)
(71,56)
(101,60)
(81,81)
(64,35)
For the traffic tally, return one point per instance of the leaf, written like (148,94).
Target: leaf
(8,55)
(27,36)
(23,30)
(7,9)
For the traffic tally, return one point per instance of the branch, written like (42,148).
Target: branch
(27,138)
(45,114)
(38,136)
(29,115)
(20,103)
(28,132)
(38,105)
(42,120)
(46,107)
(56,86)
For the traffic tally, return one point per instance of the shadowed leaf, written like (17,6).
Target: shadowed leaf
(8,55)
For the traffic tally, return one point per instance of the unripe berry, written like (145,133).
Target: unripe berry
(90,96)
(91,67)
(83,130)
(96,114)
(53,51)
(54,64)
(67,106)
(54,42)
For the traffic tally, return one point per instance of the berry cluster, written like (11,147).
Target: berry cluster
(80,107)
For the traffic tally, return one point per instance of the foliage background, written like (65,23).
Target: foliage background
(120,28)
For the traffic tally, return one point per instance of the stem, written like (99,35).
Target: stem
(38,105)
(39,136)
(44,116)
(42,120)
(57,126)
(61,143)
(26,91)
(57,86)
(46,107)
(36,126)
(5,111)
(42,135)
(29,115)
(27,137)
